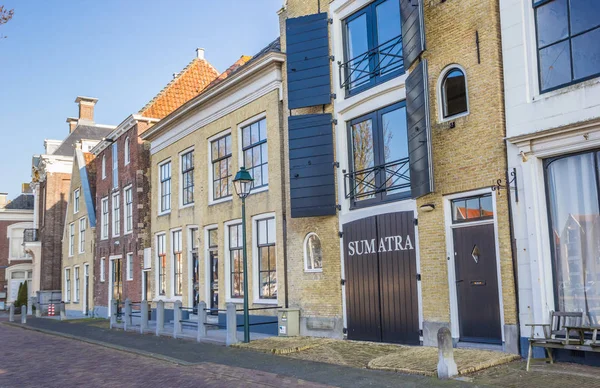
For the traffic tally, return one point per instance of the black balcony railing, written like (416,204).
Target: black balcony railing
(381,61)
(31,235)
(392,177)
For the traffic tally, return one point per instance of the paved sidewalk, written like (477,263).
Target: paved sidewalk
(191,354)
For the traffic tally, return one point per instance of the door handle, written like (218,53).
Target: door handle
(459,281)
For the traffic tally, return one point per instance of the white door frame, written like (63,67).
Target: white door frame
(86,273)
(190,261)
(110,277)
(207,279)
(454,321)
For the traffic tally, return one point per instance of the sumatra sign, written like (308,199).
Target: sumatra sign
(381,278)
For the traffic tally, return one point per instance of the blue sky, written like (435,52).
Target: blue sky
(122,52)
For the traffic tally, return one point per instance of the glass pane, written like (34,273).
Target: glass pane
(363,158)
(263,129)
(254,133)
(215,150)
(552,23)
(585,14)
(233,237)
(586,54)
(271,231)
(395,150)
(487,207)
(264,285)
(455,93)
(264,259)
(256,156)
(257,175)
(272,258)
(389,33)
(264,153)
(265,174)
(221,147)
(228,145)
(459,210)
(473,208)
(575,220)
(262,232)
(555,65)
(358,45)
(245,136)
(248,158)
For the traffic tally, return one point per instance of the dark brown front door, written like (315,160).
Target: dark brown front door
(381,279)
(477,284)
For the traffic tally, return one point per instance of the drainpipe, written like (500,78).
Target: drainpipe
(513,250)
(285,259)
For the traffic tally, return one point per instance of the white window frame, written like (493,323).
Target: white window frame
(71,239)
(255,273)
(105,220)
(17,229)
(440,93)
(192,150)
(171,258)
(67,285)
(241,161)
(127,210)
(76,284)
(82,229)
(115,165)
(162,211)
(103,167)
(227,258)
(160,296)
(116,218)
(129,258)
(126,150)
(211,200)
(305,248)
(76,197)
(103,269)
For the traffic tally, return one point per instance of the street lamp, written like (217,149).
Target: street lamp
(243,184)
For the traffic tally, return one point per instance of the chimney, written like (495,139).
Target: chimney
(86,108)
(72,123)
(200,53)
(3,201)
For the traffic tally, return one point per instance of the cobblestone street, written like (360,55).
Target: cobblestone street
(31,359)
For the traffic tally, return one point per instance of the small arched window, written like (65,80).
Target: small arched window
(313,255)
(454,98)
(103,166)
(127,156)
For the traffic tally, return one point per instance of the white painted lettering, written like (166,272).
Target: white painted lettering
(408,244)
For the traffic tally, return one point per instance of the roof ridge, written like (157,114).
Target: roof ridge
(176,79)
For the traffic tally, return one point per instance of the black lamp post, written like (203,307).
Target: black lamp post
(243,184)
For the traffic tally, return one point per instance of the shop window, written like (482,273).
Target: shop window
(313,255)
(574,208)
(379,164)
(373,46)
(568,33)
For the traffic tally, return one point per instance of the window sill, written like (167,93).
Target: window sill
(235,300)
(103,238)
(220,200)
(259,190)
(129,232)
(452,118)
(186,206)
(313,270)
(164,213)
(265,301)
(116,235)
(128,279)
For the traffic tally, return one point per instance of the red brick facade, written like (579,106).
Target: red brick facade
(135,174)
(54,197)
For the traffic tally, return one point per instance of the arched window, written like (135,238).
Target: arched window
(313,255)
(453,93)
(127,156)
(103,166)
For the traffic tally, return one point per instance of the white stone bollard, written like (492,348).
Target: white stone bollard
(30,306)
(63,313)
(446,366)
(177,319)
(114,307)
(144,316)
(231,325)
(24,314)
(201,321)
(160,317)
(11,313)
(127,322)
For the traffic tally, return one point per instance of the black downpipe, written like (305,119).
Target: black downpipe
(513,252)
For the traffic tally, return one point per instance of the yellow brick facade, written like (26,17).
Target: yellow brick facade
(76,303)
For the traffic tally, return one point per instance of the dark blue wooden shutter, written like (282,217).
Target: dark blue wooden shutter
(312,175)
(307,48)
(419,131)
(413,30)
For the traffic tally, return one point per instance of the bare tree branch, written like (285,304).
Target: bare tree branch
(5,16)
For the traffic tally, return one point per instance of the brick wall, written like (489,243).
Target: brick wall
(136,175)
(55,191)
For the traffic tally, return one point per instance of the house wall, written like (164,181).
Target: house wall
(318,295)
(6,264)
(76,305)
(136,175)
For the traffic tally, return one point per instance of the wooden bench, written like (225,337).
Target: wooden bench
(557,335)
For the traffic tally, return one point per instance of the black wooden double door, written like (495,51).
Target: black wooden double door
(477,284)
(381,279)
